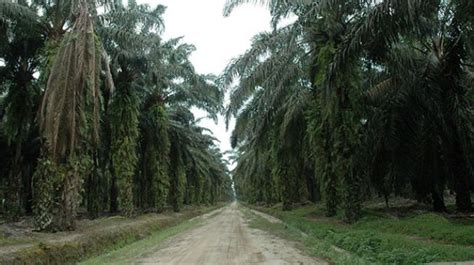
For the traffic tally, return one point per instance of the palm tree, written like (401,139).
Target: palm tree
(69,114)
(318,30)
(408,60)
(270,103)
(151,78)
(425,70)
(20,54)
(108,126)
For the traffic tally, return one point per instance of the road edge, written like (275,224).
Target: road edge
(90,245)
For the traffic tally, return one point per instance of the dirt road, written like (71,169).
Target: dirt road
(226,238)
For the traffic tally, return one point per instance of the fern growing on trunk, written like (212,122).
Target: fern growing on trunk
(125,134)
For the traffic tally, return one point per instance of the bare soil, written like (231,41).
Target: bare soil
(226,238)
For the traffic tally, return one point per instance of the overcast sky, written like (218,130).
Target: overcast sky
(218,39)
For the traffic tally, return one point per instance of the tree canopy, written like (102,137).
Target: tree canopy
(355,99)
(96,114)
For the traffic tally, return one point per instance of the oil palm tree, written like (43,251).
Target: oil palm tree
(373,68)
(20,55)
(105,126)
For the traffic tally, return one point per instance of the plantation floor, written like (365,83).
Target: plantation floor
(417,237)
(222,237)
(20,245)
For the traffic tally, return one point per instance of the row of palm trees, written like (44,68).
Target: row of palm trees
(355,99)
(95,112)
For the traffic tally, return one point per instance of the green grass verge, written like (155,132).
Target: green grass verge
(427,226)
(381,240)
(4,241)
(310,245)
(127,254)
(93,243)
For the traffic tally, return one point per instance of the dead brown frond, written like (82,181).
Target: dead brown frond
(69,112)
(379,91)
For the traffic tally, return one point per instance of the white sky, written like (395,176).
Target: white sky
(218,39)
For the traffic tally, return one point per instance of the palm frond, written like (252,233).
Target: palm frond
(72,91)
(11,10)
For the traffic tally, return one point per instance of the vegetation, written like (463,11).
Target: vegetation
(95,237)
(129,253)
(95,114)
(353,100)
(342,102)
(376,238)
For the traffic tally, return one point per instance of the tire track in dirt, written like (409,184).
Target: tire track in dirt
(226,238)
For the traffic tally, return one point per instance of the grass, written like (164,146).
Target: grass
(309,245)
(127,254)
(4,241)
(428,226)
(377,239)
(95,237)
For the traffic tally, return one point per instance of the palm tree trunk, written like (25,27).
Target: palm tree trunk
(460,177)
(113,192)
(330,189)
(68,201)
(438,201)
(13,198)
(93,191)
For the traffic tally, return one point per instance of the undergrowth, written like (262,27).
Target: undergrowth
(377,239)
